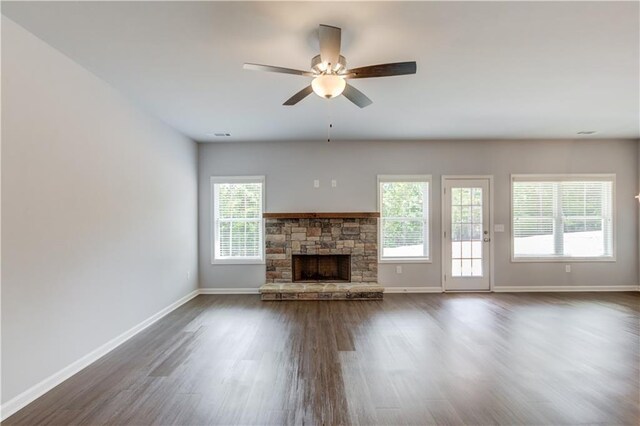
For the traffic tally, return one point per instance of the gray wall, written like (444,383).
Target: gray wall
(290,169)
(99,212)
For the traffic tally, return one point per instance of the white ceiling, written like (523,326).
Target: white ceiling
(485,69)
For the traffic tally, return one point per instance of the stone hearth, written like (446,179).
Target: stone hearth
(332,234)
(321,291)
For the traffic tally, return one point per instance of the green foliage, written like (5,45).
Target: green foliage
(239,219)
(466,214)
(403,207)
(239,200)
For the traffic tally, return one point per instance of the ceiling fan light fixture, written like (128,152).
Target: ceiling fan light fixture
(328,85)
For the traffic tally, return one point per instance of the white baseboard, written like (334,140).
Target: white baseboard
(520,289)
(13,405)
(496,289)
(254,290)
(565,288)
(257,291)
(251,290)
(390,290)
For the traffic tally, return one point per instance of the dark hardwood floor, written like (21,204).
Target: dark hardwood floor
(476,359)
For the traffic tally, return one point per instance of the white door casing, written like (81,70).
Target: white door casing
(467,235)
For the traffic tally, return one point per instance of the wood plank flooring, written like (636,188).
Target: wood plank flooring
(477,359)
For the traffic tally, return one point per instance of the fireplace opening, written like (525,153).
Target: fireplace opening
(323,267)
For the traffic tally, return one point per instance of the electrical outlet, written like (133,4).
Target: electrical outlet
(316,183)
(334,183)
(398,269)
(567,268)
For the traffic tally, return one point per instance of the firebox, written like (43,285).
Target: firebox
(322,267)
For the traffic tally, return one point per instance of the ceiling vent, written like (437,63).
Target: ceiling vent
(587,132)
(219,134)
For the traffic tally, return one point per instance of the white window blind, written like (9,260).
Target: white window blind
(237,205)
(404,217)
(562,217)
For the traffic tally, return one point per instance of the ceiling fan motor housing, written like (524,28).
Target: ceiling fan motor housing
(318,67)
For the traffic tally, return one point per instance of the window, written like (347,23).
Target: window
(237,219)
(562,217)
(404,218)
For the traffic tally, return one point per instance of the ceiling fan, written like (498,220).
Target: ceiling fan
(329,71)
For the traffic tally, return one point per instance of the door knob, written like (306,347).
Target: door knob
(486,239)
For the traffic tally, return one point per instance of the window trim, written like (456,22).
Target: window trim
(567,177)
(212,234)
(406,178)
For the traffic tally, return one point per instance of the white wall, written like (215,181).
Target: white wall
(99,212)
(291,167)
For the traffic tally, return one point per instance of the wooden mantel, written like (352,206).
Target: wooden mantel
(346,215)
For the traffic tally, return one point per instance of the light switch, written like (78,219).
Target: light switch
(316,183)
(398,269)
(334,183)
(567,268)
(498,228)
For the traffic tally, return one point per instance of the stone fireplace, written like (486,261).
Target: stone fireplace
(321,256)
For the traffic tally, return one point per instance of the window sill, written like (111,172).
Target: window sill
(237,262)
(405,260)
(563,260)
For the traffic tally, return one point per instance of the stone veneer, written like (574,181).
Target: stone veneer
(357,237)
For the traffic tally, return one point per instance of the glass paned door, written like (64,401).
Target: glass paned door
(466,236)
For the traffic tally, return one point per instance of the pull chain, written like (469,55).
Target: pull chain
(329,120)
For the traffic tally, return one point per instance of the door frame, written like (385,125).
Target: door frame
(443,247)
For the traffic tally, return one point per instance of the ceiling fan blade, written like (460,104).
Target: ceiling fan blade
(356,96)
(269,68)
(330,44)
(383,70)
(299,96)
